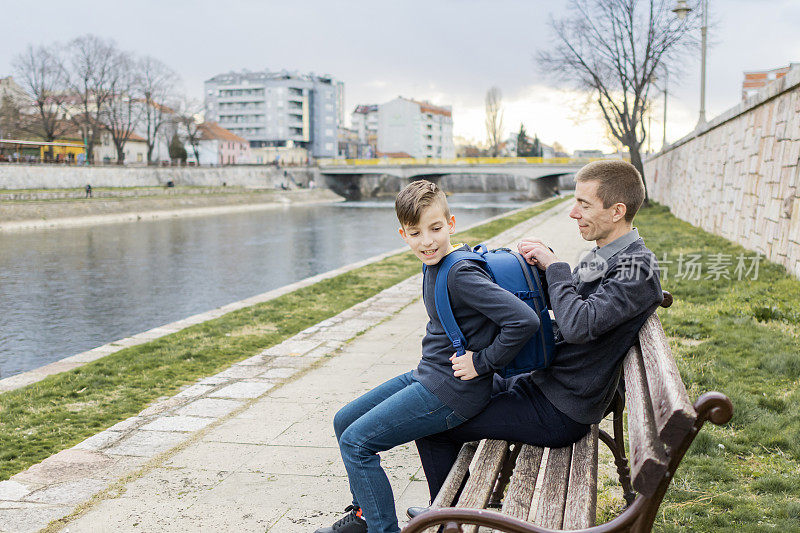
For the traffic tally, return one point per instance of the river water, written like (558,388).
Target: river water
(65,291)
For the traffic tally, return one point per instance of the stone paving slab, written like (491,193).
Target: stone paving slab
(252,448)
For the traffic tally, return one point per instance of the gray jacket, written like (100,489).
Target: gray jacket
(599,309)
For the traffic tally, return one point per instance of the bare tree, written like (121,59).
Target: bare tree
(613,48)
(92,73)
(190,124)
(494,119)
(122,110)
(157,92)
(41,71)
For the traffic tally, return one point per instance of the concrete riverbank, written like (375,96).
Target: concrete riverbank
(252,447)
(21,215)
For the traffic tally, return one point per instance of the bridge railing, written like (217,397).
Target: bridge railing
(398,161)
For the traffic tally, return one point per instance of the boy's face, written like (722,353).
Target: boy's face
(429,238)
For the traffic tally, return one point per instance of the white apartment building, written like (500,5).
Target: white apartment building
(278,109)
(419,129)
(364,121)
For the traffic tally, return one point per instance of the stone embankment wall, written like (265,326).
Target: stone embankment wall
(738,177)
(19,176)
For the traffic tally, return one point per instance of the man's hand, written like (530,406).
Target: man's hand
(536,253)
(463,367)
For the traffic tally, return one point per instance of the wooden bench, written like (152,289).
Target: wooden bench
(500,482)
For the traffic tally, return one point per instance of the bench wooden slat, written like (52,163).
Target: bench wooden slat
(483,476)
(674,413)
(648,457)
(455,478)
(517,502)
(581,506)
(481,480)
(550,510)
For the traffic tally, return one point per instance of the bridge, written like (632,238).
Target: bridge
(533,177)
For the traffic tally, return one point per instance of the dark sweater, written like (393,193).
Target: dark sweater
(495,323)
(598,321)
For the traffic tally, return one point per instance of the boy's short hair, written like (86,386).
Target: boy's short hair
(619,182)
(415,197)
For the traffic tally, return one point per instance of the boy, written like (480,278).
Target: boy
(445,390)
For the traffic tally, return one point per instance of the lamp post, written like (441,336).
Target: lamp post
(664,136)
(682,9)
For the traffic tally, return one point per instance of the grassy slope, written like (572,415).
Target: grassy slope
(740,338)
(62,410)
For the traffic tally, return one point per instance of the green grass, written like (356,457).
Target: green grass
(740,338)
(62,410)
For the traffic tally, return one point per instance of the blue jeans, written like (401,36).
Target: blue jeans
(398,411)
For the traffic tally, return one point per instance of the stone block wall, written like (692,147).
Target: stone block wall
(20,176)
(738,177)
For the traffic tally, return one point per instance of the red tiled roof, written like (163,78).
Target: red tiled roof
(210,131)
(427,107)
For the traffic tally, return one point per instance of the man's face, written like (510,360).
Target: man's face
(594,221)
(429,238)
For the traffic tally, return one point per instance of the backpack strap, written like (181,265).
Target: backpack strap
(442,297)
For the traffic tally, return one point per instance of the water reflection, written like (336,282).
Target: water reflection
(68,290)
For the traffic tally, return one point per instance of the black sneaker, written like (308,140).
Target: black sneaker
(350,523)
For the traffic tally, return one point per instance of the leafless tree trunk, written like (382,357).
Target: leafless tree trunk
(42,74)
(613,48)
(494,119)
(121,111)
(10,118)
(190,123)
(92,70)
(157,89)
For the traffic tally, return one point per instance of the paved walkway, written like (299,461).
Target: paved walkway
(252,448)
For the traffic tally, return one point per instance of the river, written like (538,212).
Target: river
(65,291)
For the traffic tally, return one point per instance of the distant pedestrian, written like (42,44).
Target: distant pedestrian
(88,191)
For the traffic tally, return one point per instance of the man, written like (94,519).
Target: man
(599,308)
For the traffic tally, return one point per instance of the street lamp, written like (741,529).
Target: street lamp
(682,9)
(653,80)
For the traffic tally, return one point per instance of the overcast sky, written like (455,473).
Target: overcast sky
(449,52)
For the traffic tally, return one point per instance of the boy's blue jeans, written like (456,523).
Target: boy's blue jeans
(398,411)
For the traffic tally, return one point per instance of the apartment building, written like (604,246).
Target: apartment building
(364,120)
(278,109)
(419,129)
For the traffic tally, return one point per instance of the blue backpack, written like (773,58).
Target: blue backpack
(509,270)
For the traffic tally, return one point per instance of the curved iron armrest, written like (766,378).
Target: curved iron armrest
(451,517)
(713,406)
(667,301)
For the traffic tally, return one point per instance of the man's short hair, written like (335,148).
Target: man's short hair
(415,197)
(619,182)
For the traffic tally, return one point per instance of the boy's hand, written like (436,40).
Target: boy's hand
(463,367)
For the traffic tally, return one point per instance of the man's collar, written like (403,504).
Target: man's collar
(618,244)
(595,264)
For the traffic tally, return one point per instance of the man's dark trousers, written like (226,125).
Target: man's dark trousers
(518,411)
